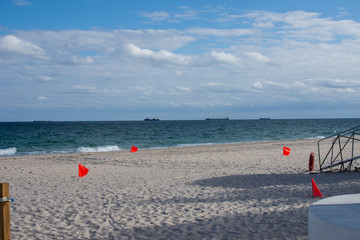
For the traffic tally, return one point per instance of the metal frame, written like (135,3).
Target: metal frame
(335,157)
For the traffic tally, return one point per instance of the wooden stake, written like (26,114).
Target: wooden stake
(4,213)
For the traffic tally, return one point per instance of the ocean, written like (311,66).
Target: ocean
(40,138)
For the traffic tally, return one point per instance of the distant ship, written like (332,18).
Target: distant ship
(152,119)
(268,118)
(218,118)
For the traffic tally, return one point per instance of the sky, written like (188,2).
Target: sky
(87,60)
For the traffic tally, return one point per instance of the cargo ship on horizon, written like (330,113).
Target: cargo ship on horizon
(217,118)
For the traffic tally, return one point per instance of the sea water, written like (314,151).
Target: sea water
(38,138)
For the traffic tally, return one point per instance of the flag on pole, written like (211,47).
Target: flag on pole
(286,151)
(133,149)
(82,170)
(315,189)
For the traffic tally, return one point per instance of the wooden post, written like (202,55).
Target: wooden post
(4,213)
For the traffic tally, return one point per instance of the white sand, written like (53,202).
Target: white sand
(232,191)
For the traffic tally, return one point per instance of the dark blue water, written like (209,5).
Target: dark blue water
(34,138)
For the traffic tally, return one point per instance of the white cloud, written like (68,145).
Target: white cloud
(216,89)
(41,98)
(162,55)
(272,85)
(83,60)
(178,73)
(106,42)
(170,39)
(329,83)
(82,88)
(304,25)
(186,15)
(226,57)
(182,13)
(184,89)
(156,16)
(347,90)
(221,32)
(263,19)
(45,78)
(258,85)
(213,84)
(12,44)
(258,57)
(22,2)
(342,12)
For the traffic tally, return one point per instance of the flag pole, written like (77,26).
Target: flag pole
(4,212)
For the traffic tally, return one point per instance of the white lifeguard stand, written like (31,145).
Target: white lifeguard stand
(335,218)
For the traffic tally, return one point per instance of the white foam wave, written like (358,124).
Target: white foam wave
(317,137)
(8,151)
(98,149)
(195,144)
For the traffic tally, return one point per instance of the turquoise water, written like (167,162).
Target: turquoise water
(37,138)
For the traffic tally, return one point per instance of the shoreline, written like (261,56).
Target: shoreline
(151,148)
(222,191)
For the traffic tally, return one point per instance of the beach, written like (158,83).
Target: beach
(224,191)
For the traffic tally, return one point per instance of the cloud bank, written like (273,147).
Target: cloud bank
(274,63)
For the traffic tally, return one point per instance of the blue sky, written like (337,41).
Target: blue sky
(127,60)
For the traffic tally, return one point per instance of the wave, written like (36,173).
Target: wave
(197,144)
(98,149)
(8,151)
(317,137)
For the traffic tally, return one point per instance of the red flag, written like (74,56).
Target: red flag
(286,151)
(82,170)
(315,189)
(133,149)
